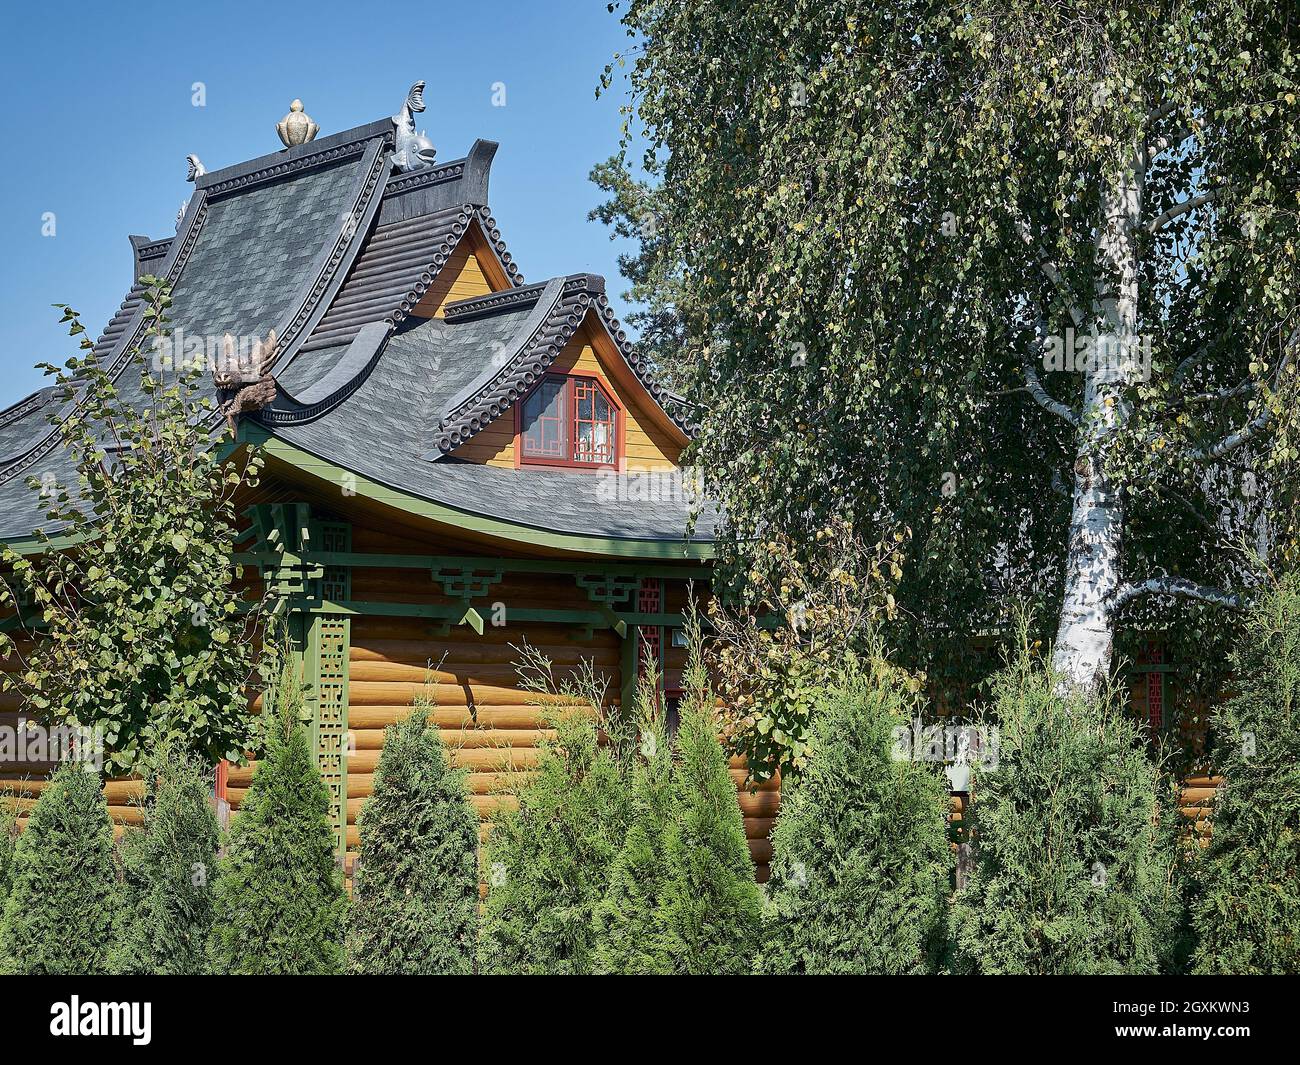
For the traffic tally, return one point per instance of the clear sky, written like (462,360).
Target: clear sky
(96,118)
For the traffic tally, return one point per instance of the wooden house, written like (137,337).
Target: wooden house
(457,460)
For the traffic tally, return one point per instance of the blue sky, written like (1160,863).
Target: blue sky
(97,120)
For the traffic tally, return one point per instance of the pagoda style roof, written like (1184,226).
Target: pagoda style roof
(332,247)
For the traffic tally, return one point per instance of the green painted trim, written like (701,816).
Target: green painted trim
(457,613)
(514,532)
(434,563)
(33,546)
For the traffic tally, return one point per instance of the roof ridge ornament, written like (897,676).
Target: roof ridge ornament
(296,127)
(414,151)
(196,169)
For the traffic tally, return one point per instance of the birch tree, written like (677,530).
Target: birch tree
(1018,275)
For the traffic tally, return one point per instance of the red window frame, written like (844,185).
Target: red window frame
(575,385)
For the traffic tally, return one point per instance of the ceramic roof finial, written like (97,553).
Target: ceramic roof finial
(296,127)
(413,150)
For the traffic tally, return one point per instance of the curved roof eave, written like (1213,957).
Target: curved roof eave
(507,532)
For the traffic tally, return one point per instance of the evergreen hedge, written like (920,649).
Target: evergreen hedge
(279,901)
(415,891)
(169,865)
(62,913)
(861,865)
(1247,914)
(1073,871)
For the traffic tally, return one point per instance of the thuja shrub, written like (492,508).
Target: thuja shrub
(169,865)
(415,890)
(279,903)
(630,932)
(1073,870)
(62,913)
(711,905)
(1247,910)
(861,865)
(547,863)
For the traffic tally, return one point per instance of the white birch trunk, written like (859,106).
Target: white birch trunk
(1085,636)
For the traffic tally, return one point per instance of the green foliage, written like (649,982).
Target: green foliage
(1074,872)
(1247,912)
(630,933)
(62,913)
(8,841)
(548,862)
(168,866)
(141,629)
(861,857)
(770,676)
(279,904)
(415,892)
(633,212)
(711,905)
(855,204)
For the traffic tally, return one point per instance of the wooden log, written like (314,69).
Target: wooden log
(760,804)
(1196,796)
(392,693)
(504,717)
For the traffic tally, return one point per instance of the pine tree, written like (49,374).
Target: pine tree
(861,856)
(1247,912)
(1073,869)
(548,862)
(168,867)
(630,935)
(278,899)
(711,905)
(415,893)
(61,916)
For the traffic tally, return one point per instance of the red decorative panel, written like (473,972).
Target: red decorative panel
(649,600)
(1155,656)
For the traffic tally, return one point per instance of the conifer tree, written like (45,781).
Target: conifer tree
(8,840)
(415,891)
(1074,872)
(548,862)
(278,899)
(630,934)
(61,916)
(861,856)
(711,905)
(169,865)
(1248,906)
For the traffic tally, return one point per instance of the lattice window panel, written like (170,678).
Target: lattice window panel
(336,584)
(332,650)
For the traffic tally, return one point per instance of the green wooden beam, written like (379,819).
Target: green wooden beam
(476,563)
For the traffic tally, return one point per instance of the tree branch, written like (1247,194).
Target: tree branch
(1179,209)
(1049,269)
(1257,424)
(1034,384)
(1175,586)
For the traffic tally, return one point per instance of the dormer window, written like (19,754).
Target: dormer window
(569,421)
